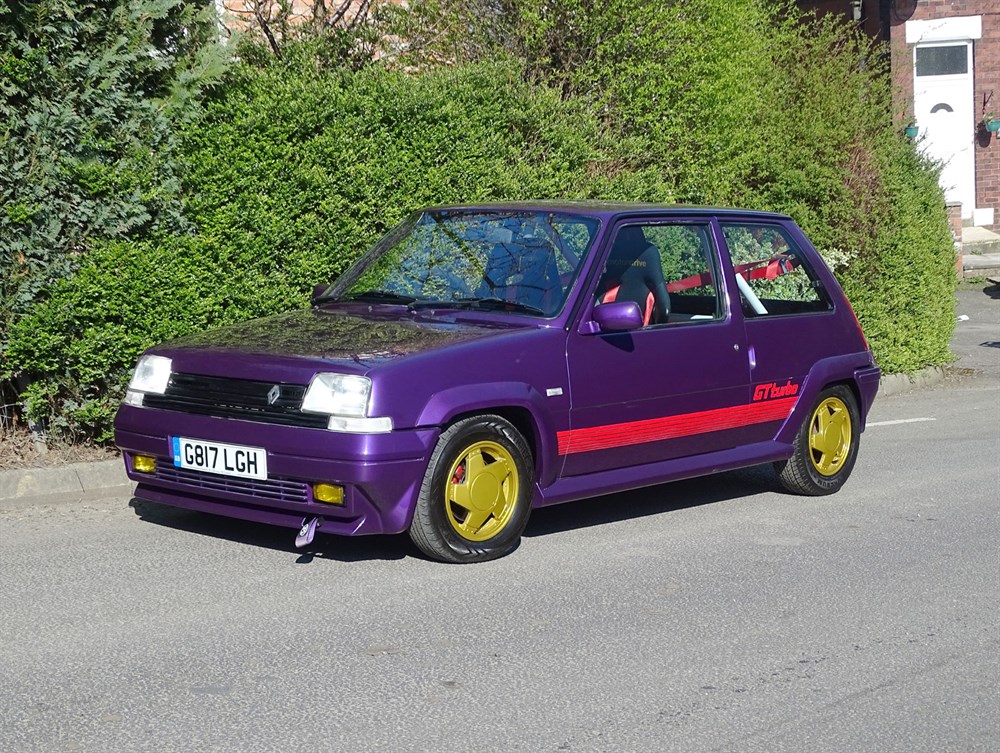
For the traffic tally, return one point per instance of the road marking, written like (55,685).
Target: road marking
(899,421)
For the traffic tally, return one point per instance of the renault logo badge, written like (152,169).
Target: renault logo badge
(273,394)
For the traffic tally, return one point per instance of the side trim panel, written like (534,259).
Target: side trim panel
(625,479)
(671,427)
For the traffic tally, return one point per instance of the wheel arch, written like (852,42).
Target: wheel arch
(518,403)
(851,385)
(829,372)
(520,417)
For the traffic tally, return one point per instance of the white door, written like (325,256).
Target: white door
(944,107)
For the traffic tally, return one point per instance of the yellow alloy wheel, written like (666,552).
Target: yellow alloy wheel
(830,436)
(482,491)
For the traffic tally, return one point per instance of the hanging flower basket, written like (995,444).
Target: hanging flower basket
(911,131)
(992,125)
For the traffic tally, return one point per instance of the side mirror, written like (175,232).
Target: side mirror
(620,316)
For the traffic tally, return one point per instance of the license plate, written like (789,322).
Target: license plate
(216,457)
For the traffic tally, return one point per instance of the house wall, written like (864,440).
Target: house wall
(238,15)
(986,70)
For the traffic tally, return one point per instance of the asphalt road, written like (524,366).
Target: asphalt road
(711,615)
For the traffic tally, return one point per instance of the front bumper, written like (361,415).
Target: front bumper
(380,473)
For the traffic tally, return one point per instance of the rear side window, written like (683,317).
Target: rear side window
(773,277)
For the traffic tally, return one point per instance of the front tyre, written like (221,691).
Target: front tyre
(476,495)
(825,446)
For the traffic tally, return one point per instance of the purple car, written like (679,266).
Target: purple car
(480,361)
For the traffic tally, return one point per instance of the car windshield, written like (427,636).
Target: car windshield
(510,260)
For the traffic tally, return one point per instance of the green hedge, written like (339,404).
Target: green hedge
(752,103)
(295,169)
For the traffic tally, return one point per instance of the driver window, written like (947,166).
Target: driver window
(668,269)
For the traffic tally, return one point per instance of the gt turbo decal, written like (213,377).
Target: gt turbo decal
(672,427)
(771,390)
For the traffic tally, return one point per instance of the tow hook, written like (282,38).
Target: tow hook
(307,532)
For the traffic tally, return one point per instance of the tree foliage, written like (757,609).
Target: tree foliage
(89,92)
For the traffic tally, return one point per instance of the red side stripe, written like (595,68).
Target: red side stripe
(671,427)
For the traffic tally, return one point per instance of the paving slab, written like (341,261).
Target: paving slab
(977,234)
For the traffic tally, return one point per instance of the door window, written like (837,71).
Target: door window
(668,269)
(942,61)
(773,277)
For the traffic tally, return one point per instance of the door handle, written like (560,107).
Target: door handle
(752,356)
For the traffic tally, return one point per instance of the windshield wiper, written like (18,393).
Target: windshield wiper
(485,304)
(373,296)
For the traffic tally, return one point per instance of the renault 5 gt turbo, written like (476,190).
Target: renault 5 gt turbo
(482,361)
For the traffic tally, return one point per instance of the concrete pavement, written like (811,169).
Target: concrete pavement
(25,486)
(980,253)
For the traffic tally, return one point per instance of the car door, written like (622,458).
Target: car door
(676,387)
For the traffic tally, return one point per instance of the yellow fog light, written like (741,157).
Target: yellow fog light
(328,493)
(143,464)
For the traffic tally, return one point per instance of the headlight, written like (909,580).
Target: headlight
(338,395)
(344,398)
(151,375)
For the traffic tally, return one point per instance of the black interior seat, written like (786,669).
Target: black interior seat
(634,273)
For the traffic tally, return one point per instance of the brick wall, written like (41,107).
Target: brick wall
(986,68)
(238,15)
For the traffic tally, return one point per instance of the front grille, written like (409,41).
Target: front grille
(243,399)
(273,489)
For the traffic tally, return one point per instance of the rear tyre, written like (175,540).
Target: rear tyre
(825,446)
(475,499)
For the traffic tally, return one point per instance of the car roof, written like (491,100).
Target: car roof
(609,209)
